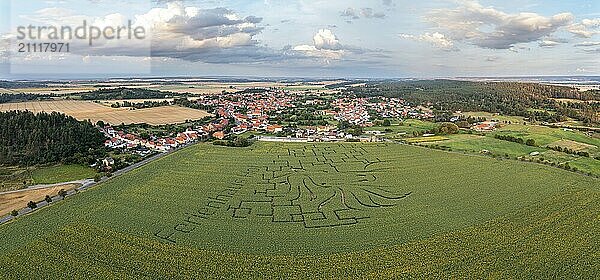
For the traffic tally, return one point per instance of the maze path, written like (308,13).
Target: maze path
(316,186)
(293,188)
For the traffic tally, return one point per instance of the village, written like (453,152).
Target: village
(264,113)
(277,115)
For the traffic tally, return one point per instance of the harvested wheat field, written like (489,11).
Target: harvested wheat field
(87,110)
(19,199)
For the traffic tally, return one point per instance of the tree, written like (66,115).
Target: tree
(14,213)
(48,199)
(62,193)
(241,142)
(463,124)
(447,128)
(32,205)
(530,142)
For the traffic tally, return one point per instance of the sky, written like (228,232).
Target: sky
(318,38)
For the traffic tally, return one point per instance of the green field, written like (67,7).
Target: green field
(545,135)
(316,211)
(61,173)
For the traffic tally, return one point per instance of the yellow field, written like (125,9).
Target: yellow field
(53,90)
(84,110)
(135,101)
(572,145)
(426,139)
(3,90)
(19,200)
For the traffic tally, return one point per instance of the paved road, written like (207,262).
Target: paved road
(85,184)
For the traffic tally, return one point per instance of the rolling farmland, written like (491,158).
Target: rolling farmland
(84,110)
(324,210)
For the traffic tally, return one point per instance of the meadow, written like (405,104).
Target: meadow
(320,211)
(546,139)
(61,173)
(87,110)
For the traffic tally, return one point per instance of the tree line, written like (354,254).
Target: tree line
(123,93)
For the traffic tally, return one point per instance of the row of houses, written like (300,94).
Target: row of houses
(127,141)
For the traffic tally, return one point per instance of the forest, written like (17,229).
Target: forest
(124,93)
(535,101)
(29,139)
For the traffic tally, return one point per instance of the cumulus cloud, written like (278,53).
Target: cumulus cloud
(488,27)
(176,31)
(354,14)
(328,47)
(197,34)
(325,39)
(436,39)
(219,36)
(586,28)
(325,45)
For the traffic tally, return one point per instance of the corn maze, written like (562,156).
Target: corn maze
(315,186)
(327,211)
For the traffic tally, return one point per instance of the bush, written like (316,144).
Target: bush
(48,199)
(62,193)
(14,213)
(530,142)
(32,205)
(446,128)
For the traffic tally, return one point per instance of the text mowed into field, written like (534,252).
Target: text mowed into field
(87,110)
(287,209)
